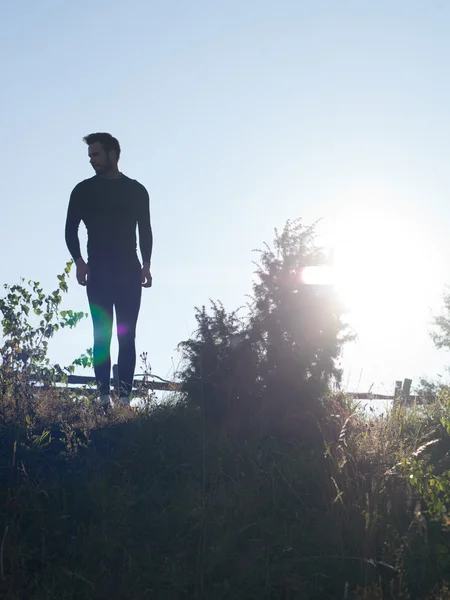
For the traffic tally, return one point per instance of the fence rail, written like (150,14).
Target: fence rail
(163,385)
(369,396)
(401,393)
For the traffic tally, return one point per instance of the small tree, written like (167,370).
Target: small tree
(25,345)
(283,356)
(429,390)
(299,326)
(220,375)
(441,336)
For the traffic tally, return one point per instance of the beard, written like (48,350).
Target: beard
(105,168)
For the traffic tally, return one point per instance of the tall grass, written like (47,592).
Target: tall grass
(159,504)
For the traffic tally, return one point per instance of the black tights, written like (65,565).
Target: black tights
(116,285)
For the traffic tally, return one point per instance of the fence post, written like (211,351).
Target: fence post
(402,392)
(397,392)
(406,390)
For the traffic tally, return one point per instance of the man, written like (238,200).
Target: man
(111,205)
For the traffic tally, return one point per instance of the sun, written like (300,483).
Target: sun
(382,267)
(378,267)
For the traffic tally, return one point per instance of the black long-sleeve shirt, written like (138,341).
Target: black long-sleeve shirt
(110,209)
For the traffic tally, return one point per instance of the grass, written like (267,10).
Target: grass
(159,504)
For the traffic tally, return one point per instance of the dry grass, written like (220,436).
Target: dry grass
(157,504)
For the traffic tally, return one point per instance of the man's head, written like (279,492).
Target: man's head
(103,151)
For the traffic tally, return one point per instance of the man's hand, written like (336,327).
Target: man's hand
(82,272)
(146,276)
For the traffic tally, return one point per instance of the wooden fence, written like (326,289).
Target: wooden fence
(77,380)
(401,391)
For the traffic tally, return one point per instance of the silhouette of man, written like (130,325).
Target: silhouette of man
(111,205)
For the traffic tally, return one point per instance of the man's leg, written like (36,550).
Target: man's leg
(127,301)
(100,297)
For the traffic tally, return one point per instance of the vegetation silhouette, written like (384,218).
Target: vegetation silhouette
(258,481)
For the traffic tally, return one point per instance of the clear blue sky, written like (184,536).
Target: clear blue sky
(236,116)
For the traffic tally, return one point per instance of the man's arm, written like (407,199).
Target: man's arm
(145,228)
(72,224)
(73,243)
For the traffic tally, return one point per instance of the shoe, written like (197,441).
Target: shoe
(104,400)
(124,401)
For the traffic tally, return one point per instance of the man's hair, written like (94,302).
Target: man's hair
(107,141)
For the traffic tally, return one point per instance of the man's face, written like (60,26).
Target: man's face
(100,160)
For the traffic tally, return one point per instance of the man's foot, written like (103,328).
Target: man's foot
(123,401)
(104,400)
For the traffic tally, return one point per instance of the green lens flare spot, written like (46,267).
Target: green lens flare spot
(102,333)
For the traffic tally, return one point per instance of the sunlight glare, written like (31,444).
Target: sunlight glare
(388,269)
(319,275)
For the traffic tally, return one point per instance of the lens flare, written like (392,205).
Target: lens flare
(102,334)
(122,329)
